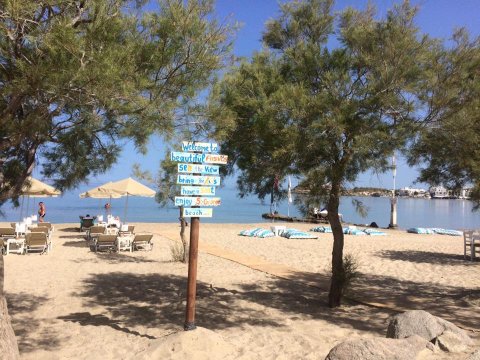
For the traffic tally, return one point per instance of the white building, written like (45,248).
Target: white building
(406,191)
(439,192)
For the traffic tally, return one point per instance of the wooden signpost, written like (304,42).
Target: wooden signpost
(198,178)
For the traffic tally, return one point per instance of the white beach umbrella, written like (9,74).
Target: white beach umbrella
(100,193)
(36,188)
(128,187)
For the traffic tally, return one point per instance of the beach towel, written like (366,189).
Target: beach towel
(297,234)
(373,232)
(323,229)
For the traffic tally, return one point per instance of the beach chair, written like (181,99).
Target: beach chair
(142,242)
(471,244)
(86,223)
(49,226)
(126,230)
(37,241)
(104,241)
(94,231)
(7,232)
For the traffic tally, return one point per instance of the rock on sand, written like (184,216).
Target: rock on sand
(378,349)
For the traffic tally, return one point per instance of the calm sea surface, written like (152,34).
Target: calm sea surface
(451,214)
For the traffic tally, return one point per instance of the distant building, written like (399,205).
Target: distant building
(464,193)
(406,191)
(439,192)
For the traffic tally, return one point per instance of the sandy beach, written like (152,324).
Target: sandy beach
(266,298)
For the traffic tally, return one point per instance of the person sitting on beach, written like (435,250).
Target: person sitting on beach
(42,211)
(315,213)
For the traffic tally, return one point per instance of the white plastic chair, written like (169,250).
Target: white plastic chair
(20,228)
(471,243)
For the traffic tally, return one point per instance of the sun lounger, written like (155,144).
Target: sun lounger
(257,232)
(7,232)
(126,230)
(297,234)
(37,241)
(142,242)
(86,223)
(104,241)
(49,226)
(94,231)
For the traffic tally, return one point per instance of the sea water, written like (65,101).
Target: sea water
(411,212)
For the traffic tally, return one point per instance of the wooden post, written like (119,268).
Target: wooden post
(192,274)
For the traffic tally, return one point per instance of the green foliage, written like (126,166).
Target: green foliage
(329,113)
(78,76)
(350,271)
(178,252)
(326,114)
(448,150)
(167,181)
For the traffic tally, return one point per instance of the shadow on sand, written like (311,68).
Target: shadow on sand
(70,229)
(113,257)
(425,257)
(455,304)
(159,301)
(27,329)
(85,318)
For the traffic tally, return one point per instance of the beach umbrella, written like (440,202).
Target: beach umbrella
(36,188)
(100,193)
(128,187)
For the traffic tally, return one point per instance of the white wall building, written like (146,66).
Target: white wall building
(407,191)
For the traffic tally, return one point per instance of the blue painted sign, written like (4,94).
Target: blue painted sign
(197,212)
(199,169)
(198,180)
(198,158)
(197,201)
(197,190)
(200,147)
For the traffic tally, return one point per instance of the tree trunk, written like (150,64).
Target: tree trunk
(338,278)
(182,234)
(8,342)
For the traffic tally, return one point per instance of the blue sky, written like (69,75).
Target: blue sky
(436,17)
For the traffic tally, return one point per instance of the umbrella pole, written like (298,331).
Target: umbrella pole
(125,212)
(28,205)
(21,209)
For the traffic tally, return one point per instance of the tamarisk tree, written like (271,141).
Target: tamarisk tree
(329,97)
(77,76)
